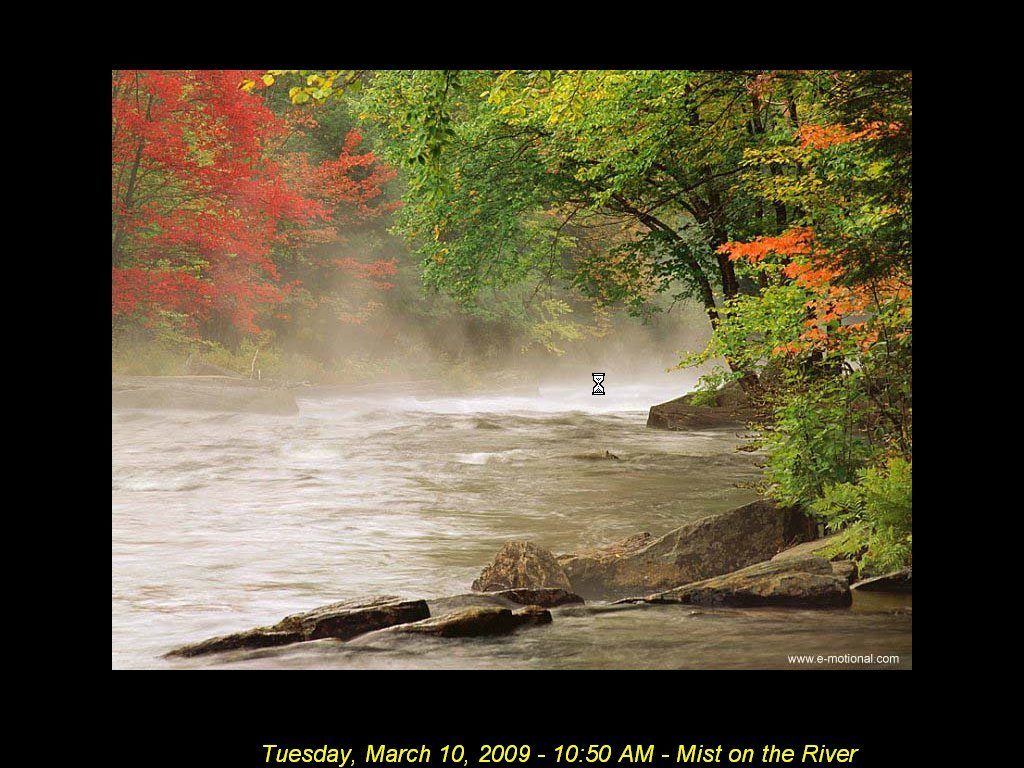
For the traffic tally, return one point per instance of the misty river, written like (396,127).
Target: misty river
(222,522)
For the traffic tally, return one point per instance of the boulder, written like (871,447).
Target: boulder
(201,393)
(521,565)
(805,582)
(709,547)
(897,581)
(732,407)
(341,621)
(478,622)
(845,569)
(729,395)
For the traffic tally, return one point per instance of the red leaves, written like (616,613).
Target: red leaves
(199,201)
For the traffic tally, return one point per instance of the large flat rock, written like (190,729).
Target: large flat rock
(731,408)
(812,547)
(709,547)
(897,581)
(681,416)
(341,621)
(799,582)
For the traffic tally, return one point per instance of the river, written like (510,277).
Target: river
(221,522)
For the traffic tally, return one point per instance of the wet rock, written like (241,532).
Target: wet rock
(345,620)
(842,567)
(260,637)
(805,582)
(732,407)
(201,393)
(545,598)
(509,598)
(522,565)
(341,621)
(708,547)
(479,622)
(845,569)
(897,581)
(808,547)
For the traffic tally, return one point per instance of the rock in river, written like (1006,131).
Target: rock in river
(731,408)
(897,581)
(847,569)
(341,621)
(804,582)
(521,565)
(479,622)
(508,598)
(545,598)
(708,547)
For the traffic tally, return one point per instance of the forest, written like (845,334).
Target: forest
(353,226)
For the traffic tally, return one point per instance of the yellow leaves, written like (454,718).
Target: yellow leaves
(268,80)
(247,85)
(298,95)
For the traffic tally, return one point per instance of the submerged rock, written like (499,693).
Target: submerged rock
(596,456)
(802,582)
(897,581)
(478,622)
(509,598)
(341,621)
(201,393)
(522,565)
(709,547)
(546,598)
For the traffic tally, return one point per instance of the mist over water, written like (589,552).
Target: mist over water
(225,521)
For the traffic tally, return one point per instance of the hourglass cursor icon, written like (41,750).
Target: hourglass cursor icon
(598,378)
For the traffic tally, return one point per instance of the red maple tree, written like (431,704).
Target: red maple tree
(201,196)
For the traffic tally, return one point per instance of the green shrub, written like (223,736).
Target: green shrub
(875,514)
(706,393)
(813,442)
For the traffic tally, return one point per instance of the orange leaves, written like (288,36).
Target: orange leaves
(832,306)
(814,276)
(793,242)
(824,136)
